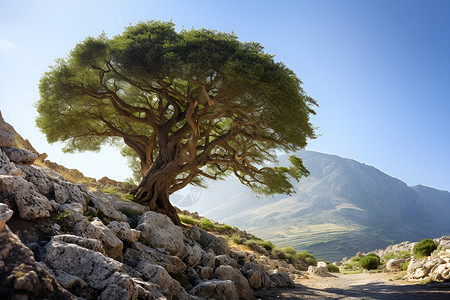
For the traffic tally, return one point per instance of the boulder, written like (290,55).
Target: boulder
(124,232)
(321,269)
(92,267)
(40,179)
(257,276)
(227,272)
(6,133)
(91,244)
(7,167)
(31,204)
(225,260)
(157,274)
(395,264)
(106,211)
(136,251)
(158,231)
(205,272)
(215,289)
(209,241)
(282,280)
(5,215)
(20,156)
(21,276)
(193,255)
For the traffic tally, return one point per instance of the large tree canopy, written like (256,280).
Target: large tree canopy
(189,105)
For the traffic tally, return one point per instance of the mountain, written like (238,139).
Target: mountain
(344,206)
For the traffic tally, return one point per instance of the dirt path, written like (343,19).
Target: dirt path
(358,286)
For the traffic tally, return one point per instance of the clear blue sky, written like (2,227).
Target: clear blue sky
(379,69)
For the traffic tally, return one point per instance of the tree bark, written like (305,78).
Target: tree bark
(153,191)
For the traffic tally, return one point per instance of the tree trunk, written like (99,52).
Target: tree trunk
(153,191)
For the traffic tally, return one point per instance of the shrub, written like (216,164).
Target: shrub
(370,261)
(237,239)
(356,258)
(224,228)
(188,220)
(405,266)
(279,253)
(311,261)
(289,250)
(206,224)
(424,247)
(332,268)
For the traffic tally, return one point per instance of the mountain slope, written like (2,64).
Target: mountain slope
(341,207)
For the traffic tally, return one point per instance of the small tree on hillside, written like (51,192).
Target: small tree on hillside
(188,105)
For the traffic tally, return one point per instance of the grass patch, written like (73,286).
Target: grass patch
(188,220)
(206,224)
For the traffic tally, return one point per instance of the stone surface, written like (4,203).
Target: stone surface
(6,133)
(159,232)
(5,215)
(321,269)
(106,212)
(227,272)
(20,156)
(215,289)
(92,267)
(257,276)
(395,264)
(282,280)
(31,204)
(124,232)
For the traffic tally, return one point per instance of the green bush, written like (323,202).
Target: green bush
(332,268)
(206,224)
(289,250)
(224,228)
(279,253)
(405,266)
(237,239)
(370,261)
(188,220)
(311,261)
(356,258)
(424,247)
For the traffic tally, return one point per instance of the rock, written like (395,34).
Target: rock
(321,269)
(217,244)
(20,276)
(193,255)
(395,264)
(91,244)
(7,167)
(159,232)
(132,208)
(20,156)
(5,215)
(40,179)
(106,212)
(225,260)
(282,280)
(157,274)
(97,230)
(6,133)
(124,232)
(414,264)
(257,276)
(215,289)
(205,272)
(69,281)
(208,259)
(227,272)
(31,204)
(136,251)
(92,267)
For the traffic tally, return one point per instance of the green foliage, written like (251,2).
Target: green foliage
(356,258)
(405,266)
(289,250)
(188,220)
(206,224)
(424,248)
(90,214)
(151,88)
(332,268)
(129,197)
(265,244)
(279,253)
(223,228)
(237,239)
(130,213)
(370,261)
(399,255)
(60,217)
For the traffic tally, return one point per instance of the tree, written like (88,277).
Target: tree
(188,105)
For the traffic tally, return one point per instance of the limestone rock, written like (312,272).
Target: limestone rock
(124,232)
(31,204)
(5,215)
(320,270)
(7,167)
(227,272)
(92,267)
(395,264)
(91,244)
(193,255)
(257,276)
(157,274)
(225,260)
(205,272)
(20,156)
(209,241)
(159,232)
(282,280)
(20,276)
(106,212)
(137,251)
(215,289)
(6,133)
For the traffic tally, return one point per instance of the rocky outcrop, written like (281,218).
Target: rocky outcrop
(321,269)
(435,267)
(71,243)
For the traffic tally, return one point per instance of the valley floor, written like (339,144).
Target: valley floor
(358,286)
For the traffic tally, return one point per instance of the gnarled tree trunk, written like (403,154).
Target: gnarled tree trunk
(154,188)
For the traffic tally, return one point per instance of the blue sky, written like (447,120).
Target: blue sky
(379,70)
